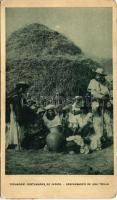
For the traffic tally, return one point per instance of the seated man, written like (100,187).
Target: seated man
(83,124)
(65,120)
(78,103)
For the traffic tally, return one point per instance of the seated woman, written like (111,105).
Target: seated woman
(55,139)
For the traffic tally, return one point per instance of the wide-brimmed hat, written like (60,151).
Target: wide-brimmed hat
(67,107)
(100,71)
(76,109)
(79,97)
(22,84)
(50,107)
(40,110)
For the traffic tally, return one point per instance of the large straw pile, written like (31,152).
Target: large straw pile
(48,61)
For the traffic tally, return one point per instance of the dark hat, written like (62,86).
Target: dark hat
(22,84)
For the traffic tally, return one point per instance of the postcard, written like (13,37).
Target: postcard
(58,99)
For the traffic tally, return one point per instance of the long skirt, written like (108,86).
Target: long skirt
(14,132)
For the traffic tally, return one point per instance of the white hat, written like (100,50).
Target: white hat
(49,107)
(40,110)
(78,97)
(67,107)
(75,109)
(33,107)
(100,71)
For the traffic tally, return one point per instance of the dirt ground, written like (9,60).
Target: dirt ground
(40,162)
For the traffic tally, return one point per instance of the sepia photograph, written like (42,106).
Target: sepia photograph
(59,91)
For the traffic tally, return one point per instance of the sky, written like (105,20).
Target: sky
(88,28)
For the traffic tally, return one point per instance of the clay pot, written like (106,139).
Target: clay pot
(55,140)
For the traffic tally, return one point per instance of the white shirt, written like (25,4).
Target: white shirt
(76,106)
(79,120)
(84,119)
(52,123)
(97,89)
(73,120)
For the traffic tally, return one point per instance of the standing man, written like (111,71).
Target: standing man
(100,96)
(17,117)
(97,86)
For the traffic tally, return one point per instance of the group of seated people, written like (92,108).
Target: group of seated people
(82,129)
